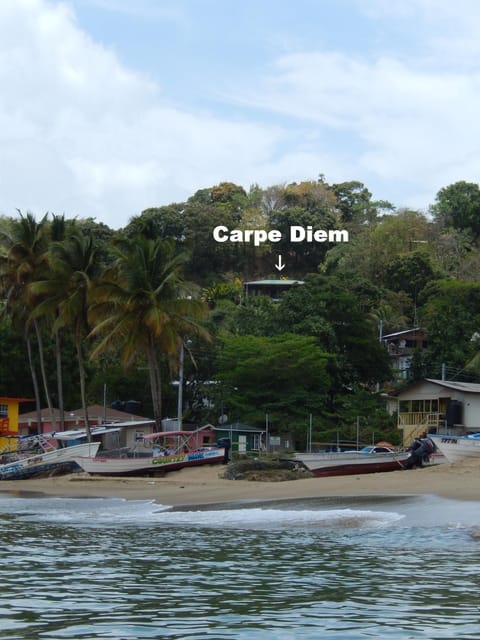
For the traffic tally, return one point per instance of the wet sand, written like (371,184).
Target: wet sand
(204,485)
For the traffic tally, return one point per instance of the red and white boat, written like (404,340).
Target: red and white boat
(372,459)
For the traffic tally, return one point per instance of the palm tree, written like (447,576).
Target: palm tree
(24,246)
(143,307)
(65,294)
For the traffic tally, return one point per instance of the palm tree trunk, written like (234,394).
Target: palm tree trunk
(58,359)
(44,374)
(155,383)
(81,370)
(36,390)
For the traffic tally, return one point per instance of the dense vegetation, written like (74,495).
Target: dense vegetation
(85,307)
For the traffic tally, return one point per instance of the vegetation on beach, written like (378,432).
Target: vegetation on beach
(266,470)
(86,307)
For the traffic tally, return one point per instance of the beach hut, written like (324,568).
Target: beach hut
(244,437)
(9,410)
(437,406)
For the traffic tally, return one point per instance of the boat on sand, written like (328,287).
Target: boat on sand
(457,448)
(372,459)
(37,455)
(170,450)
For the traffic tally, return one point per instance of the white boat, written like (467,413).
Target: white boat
(371,459)
(45,459)
(27,456)
(170,450)
(456,448)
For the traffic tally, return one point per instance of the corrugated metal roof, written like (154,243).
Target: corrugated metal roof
(468,387)
(401,333)
(274,282)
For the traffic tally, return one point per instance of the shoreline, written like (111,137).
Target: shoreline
(203,485)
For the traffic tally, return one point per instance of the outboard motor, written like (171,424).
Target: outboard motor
(420,452)
(430,448)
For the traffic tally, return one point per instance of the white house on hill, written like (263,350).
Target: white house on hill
(401,347)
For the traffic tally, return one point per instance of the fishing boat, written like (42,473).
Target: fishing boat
(457,448)
(158,453)
(371,459)
(37,455)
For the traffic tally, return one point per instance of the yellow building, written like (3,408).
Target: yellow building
(9,421)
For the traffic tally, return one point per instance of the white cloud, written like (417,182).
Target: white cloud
(445,29)
(83,135)
(415,127)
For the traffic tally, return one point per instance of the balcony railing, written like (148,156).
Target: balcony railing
(420,419)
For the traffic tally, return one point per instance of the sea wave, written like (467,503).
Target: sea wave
(105,511)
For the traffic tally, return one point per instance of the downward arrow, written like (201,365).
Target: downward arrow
(279,264)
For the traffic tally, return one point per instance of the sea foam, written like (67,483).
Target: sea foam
(115,511)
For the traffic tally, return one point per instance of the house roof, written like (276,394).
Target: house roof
(468,387)
(45,414)
(95,412)
(275,282)
(398,334)
(98,411)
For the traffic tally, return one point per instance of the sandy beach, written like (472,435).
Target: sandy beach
(204,485)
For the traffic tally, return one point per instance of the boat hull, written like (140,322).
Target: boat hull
(149,465)
(46,461)
(457,448)
(333,464)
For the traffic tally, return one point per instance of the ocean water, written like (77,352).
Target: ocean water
(349,569)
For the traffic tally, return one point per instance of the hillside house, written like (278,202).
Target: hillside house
(272,288)
(401,346)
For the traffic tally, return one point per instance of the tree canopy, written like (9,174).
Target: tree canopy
(126,301)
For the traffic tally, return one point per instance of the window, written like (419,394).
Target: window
(405,406)
(3,410)
(418,406)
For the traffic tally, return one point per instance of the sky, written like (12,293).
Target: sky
(109,107)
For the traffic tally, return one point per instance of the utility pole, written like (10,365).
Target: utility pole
(180,389)
(309,439)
